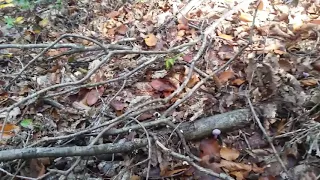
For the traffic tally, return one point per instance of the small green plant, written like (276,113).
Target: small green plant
(169,62)
(9,21)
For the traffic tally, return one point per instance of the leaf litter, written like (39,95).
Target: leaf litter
(121,68)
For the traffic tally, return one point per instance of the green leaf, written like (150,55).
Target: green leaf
(169,63)
(9,21)
(27,123)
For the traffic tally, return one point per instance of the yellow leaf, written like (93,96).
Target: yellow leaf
(44,22)
(225,36)
(260,5)
(6,5)
(246,17)
(19,20)
(151,40)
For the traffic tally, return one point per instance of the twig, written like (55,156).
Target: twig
(24,177)
(149,148)
(256,118)
(58,46)
(49,47)
(38,152)
(189,160)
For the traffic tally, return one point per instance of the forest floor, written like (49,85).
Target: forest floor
(169,89)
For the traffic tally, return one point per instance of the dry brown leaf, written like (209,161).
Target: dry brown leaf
(245,17)
(267,178)
(9,130)
(162,85)
(225,76)
(240,175)
(225,36)
(229,154)
(193,81)
(122,29)
(209,147)
(285,65)
(233,166)
(309,82)
(93,96)
(113,14)
(135,177)
(117,105)
(315,21)
(182,27)
(260,5)
(37,169)
(151,40)
(181,33)
(170,173)
(238,82)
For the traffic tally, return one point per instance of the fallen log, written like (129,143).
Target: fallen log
(191,130)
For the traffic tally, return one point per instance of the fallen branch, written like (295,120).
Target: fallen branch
(39,152)
(58,46)
(191,130)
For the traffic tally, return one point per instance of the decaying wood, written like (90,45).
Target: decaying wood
(225,122)
(191,130)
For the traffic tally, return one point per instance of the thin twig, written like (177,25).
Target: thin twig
(149,148)
(189,160)
(266,135)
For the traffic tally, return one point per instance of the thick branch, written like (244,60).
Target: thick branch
(191,130)
(57,46)
(226,121)
(71,151)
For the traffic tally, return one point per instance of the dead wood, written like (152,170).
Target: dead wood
(191,131)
